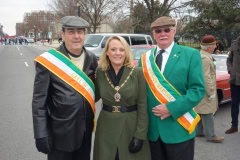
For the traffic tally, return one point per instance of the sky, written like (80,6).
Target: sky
(12,12)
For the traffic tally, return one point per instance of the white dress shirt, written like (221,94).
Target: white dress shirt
(165,55)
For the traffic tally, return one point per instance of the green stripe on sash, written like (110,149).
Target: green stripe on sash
(161,77)
(70,64)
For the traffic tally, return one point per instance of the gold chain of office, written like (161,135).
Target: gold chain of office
(117,96)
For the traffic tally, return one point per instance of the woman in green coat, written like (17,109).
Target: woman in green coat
(122,125)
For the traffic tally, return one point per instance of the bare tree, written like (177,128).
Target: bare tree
(158,8)
(94,11)
(146,11)
(64,7)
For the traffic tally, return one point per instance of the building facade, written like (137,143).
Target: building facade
(38,24)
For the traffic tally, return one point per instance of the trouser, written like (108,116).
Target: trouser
(235,92)
(178,151)
(83,153)
(207,124)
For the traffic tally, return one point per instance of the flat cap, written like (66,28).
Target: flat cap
(163,21)
(73,22)
(208,40)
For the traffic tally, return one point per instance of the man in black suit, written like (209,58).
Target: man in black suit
(63,97)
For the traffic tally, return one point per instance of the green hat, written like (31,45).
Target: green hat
(73,22)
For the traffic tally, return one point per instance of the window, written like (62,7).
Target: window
(149,40)
(104,41)
(126,38)
(136,40)
(92,40)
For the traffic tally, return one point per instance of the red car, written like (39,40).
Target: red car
(223,86)
(139,50)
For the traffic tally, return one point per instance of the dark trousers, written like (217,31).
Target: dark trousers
(83,153)
(235,92)
(178,151)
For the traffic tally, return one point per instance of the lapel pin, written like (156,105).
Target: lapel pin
(175,56)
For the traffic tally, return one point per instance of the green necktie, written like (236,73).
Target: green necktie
(159,58)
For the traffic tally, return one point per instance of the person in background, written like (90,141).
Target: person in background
(122,126)
(59,40)
(63,104)
(209,104)
(1,41)
(219,48)
(233,67)
(175,85)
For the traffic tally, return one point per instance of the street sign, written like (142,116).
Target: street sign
(50,35)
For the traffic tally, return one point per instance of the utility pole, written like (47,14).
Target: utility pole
(131,29)
(78,7)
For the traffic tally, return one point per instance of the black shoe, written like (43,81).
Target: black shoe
(231,130)
(200,135)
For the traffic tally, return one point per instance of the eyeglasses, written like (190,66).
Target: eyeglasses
(166,30)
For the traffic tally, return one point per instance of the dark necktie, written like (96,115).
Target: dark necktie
(159,58)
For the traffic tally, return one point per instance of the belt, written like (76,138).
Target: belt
(119,108)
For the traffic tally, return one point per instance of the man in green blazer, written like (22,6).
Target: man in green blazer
(180,68)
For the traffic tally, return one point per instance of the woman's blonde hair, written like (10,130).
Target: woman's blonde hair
(104,60)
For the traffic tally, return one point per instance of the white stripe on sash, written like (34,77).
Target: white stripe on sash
(189,117)
(68,71)
(155,80)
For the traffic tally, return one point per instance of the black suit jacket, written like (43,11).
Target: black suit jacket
(59,110)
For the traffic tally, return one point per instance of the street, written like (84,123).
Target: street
(16,129)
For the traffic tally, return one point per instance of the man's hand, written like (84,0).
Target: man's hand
(161,111)
(44,145)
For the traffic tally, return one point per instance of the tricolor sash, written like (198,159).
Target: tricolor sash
(65,69)
(164,92)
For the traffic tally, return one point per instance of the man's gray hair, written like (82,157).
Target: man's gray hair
(205,47)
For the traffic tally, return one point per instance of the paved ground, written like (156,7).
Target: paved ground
(54,44)
(16,132)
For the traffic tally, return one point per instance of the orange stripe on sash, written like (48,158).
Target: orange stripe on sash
(68,79)
(185,121)
(153,88)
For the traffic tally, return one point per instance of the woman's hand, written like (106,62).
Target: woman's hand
(135,145)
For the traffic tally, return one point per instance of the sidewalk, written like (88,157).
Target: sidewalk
(54,44)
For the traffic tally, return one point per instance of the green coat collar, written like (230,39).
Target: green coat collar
(172,60)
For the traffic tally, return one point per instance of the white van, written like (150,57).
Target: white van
(96,42)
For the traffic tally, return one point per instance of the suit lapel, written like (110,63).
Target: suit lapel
(172,60)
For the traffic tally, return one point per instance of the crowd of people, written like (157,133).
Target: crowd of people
(152,111)
(13,41)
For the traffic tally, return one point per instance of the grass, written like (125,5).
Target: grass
(193,45)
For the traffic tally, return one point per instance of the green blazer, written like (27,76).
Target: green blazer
(184,71)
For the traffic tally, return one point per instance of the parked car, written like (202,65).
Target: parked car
(139,50)
(30,40)
(96,42)
(222,76)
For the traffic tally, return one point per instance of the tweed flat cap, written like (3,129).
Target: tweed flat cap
(163,21)
(73,22)
(208,40)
